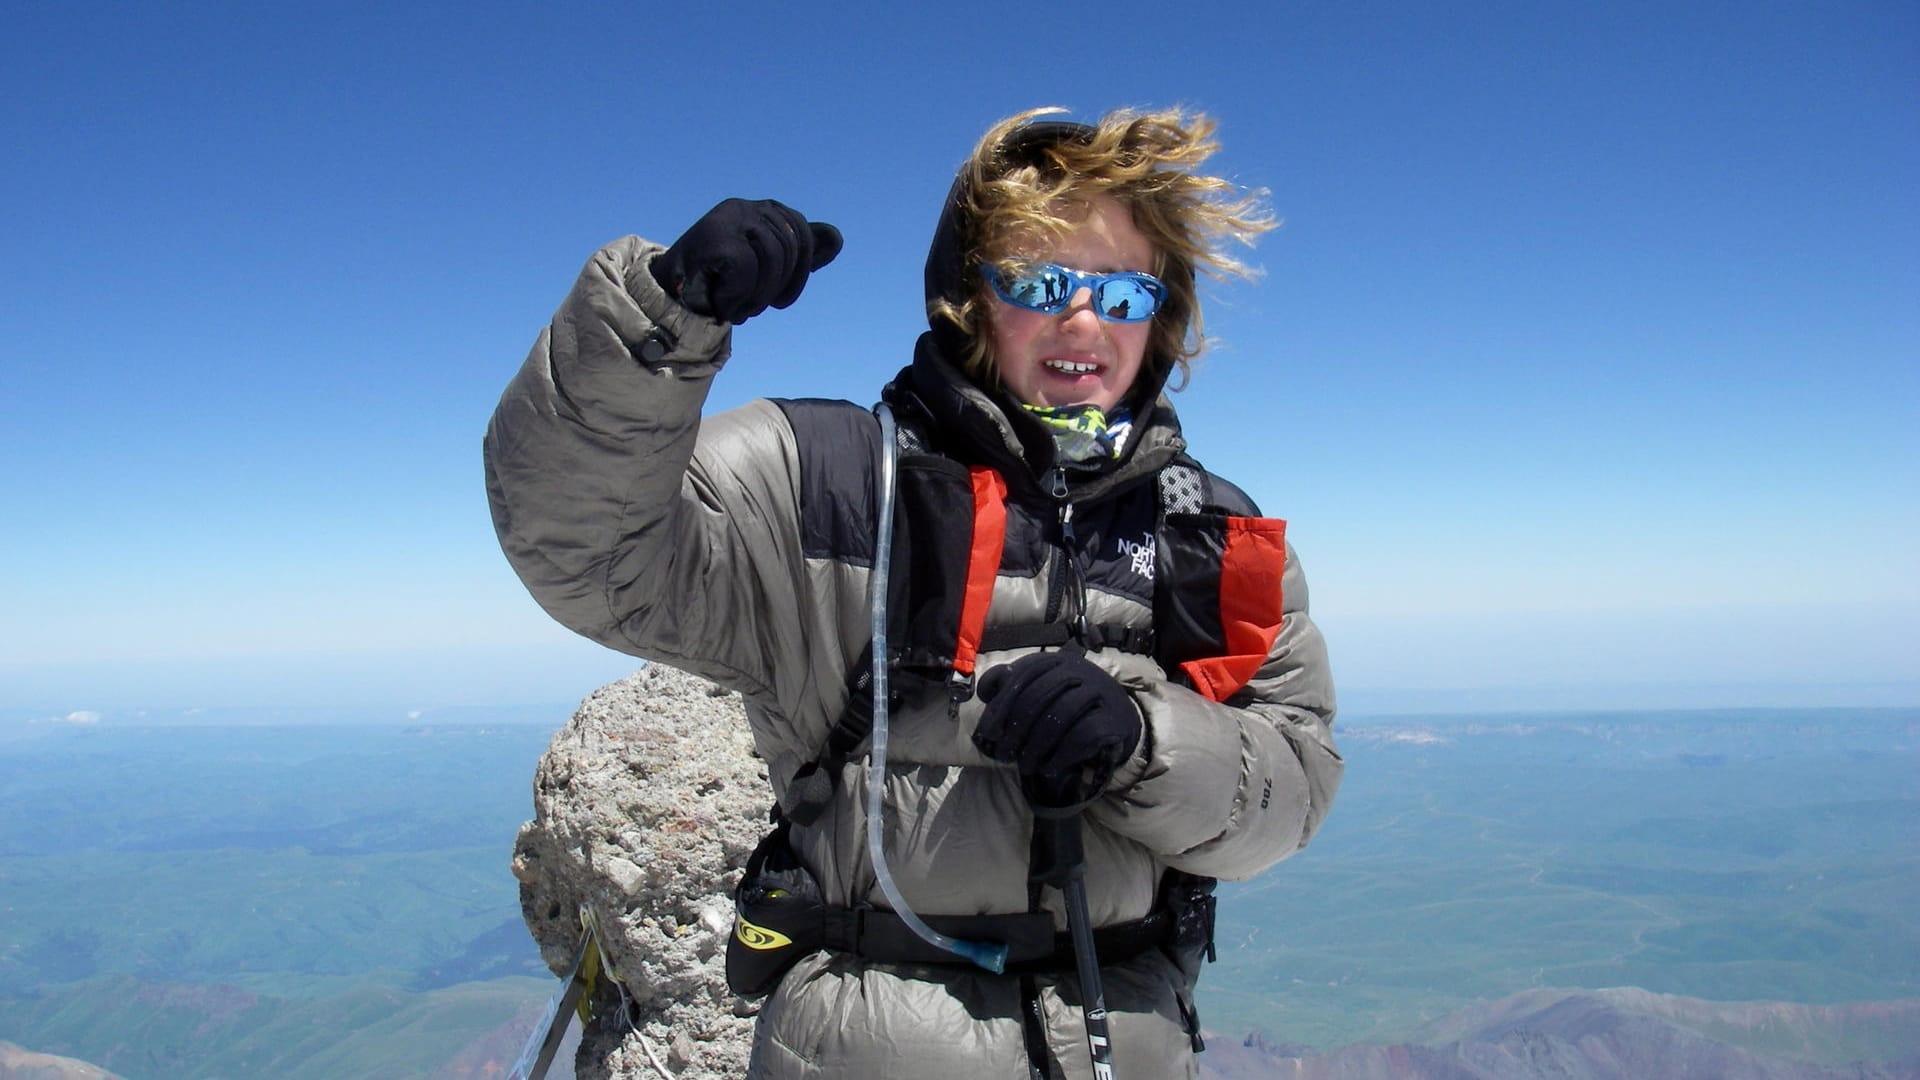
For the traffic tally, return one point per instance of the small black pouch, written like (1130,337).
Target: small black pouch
(778,917)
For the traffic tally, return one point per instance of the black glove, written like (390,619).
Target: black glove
(743,257)
(1063,722)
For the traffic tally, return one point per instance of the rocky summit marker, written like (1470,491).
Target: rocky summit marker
(646,806)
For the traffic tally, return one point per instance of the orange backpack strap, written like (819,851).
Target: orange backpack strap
(983,563)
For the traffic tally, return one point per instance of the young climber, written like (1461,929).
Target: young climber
(1078,620)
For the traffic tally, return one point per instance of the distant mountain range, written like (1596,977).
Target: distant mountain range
(160,1031)
(1612,1035)
(476,1031)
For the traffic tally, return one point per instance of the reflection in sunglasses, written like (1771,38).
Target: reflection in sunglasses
(1124,296)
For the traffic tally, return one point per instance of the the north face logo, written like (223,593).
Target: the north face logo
(1139,552)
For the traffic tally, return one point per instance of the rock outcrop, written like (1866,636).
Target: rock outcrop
(646,806)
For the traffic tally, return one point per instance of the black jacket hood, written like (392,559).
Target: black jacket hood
(946,275)
(986,417)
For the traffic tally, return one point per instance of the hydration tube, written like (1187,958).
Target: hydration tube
(987,954)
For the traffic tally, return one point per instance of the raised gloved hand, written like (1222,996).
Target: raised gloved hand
(1063,722)
(743,257)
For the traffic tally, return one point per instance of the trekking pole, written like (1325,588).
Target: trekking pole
(1067,871)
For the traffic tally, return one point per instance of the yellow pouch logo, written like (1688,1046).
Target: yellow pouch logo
(759,937)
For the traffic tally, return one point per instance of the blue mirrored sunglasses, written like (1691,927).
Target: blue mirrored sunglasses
(1127,296)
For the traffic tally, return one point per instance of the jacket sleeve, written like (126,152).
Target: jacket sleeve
(1229,789)
(629,519)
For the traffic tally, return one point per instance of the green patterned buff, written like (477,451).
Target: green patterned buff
(1082,433)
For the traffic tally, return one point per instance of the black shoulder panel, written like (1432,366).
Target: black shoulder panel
(1224,495)
(839,446)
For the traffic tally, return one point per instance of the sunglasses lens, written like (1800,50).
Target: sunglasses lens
(1039,288)
(1127,299)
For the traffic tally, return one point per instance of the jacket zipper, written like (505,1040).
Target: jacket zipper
(1068,588)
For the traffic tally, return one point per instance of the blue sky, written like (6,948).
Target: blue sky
(1584,365)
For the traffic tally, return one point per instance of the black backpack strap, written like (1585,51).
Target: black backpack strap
(811,787)
(1134,639)
(909,438)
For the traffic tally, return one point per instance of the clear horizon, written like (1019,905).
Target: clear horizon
(1583,367)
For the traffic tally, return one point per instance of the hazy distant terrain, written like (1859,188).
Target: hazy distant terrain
(351,879)
(1733,856)
(340,892)
(356,854)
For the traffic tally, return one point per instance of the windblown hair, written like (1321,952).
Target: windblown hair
(1018,196)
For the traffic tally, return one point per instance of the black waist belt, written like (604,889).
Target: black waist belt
(1033,947)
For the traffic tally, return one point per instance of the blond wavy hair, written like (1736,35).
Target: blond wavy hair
(1017,198)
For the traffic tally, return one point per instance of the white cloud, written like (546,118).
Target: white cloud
(79,716)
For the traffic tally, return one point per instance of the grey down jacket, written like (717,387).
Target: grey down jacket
(652,530)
